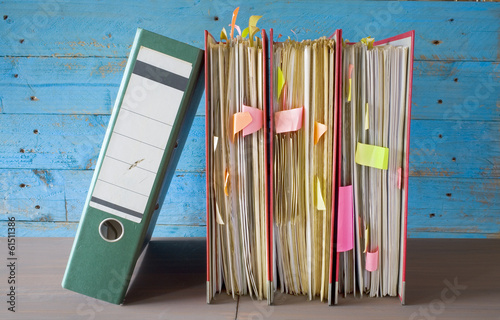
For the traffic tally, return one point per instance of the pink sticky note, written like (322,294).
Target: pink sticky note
(288,120)
(257,120)
(351,66)
(372,260)
(399,178)
(345,241)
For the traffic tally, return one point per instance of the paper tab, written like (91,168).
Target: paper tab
(240,121)
(345,240)
(257,119)
(371,263)
(237,28)
(349,94)
(351,67)
(367,117)
(368,41)
(223,34)
(288,120)
(281,81)
(319,130)
(252,27)
(367,238)
(233,22)
(216,140)
(226,182)
(399,178)
(218,215)
(320,203)
(372,156)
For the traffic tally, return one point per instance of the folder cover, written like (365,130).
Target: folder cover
(215,278)
(153,113)
(399,175)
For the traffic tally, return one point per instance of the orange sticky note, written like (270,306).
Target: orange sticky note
(257,120)
(372,260)
(288,120)
(226,183)
(233,22)
(240,121)
(319,130)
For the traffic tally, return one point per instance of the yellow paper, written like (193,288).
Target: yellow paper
(320,203)
(367,117)
(281,81)
(244,33)
(218,216)
(223,34)
(372,156)
(367,237)
(349,96)
(368,41)
(319,130)
(252,27)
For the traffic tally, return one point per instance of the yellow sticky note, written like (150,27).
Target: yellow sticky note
(281,81)
(252,27)
(372,156)
(368,41)
(320,203)
(223,34)
(367,117)
(349,96)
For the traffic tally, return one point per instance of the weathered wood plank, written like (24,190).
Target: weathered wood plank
(59,195)
(455,205)
(469,149)
(73,142)
(445,31)
(456,90)
(68,229)
(61,85)
(460,90)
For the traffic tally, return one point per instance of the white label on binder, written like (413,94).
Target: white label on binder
(140,134)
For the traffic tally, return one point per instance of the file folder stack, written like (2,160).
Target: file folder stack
(334,201)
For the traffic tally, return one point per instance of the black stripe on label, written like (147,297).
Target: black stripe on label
(116,207)
(159,75)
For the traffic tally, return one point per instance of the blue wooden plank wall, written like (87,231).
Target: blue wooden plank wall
(61,63)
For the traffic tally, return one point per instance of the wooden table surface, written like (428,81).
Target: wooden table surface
(446,279)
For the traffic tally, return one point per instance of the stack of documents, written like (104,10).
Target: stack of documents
(305,118)
(309,195)
(237,166)
(372,204)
